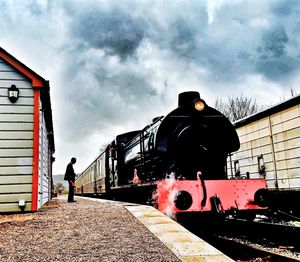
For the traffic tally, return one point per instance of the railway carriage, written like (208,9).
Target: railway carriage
(91,181)
(177,163)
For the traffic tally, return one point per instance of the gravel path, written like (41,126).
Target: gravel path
(82,231)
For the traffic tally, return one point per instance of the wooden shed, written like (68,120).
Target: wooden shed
(26,137)
(270,146)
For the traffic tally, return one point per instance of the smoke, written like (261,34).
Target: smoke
(166,194)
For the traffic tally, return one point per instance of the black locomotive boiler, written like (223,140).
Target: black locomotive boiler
(177,162)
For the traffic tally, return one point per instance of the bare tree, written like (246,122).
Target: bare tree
(103,147)
(293,92)
(237,107)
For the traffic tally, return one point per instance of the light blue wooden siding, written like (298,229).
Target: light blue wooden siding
(16,140)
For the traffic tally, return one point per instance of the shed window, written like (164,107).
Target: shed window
(237,171)
(261,165)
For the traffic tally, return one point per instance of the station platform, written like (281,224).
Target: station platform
(99,230)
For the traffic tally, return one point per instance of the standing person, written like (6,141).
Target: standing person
(70,176)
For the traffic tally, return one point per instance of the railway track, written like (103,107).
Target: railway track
(241,250)
(282,232)
(258,240)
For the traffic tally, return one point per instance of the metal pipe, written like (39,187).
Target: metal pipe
(273,152)
(230,160)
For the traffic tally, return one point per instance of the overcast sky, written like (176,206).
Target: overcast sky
(114,65)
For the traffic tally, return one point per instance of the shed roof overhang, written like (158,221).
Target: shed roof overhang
(295,100)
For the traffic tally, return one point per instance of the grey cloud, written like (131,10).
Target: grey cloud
(104,98)
(183,41)
(228,49)
(107,61)
(274,62)
(35,9)
(274,44)
(284,8)
(114,31)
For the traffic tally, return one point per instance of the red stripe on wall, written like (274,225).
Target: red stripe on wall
(35,162)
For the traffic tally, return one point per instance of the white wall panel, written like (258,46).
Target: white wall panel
(11,198)
(23,92)
(19,118)
(16,161)
(13,207)
(15,170)
(21,101)
(14,75)
(7,135)
(7,152)
(25,179)
(20,188)
(21,84)
(16,144)
(16,126)
(16,109)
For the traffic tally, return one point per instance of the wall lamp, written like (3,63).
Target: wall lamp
(22,204)
(13,93)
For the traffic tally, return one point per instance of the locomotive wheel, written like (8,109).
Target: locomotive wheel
(261,197)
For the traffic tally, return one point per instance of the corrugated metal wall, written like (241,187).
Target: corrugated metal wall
(16,140)
(286,138)
(276,140)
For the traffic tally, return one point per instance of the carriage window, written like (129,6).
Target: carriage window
(99,166)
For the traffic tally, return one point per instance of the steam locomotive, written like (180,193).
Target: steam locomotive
(176,163)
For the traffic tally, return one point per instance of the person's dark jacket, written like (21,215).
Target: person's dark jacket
(70,175)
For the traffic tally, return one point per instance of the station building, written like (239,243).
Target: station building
(26,137)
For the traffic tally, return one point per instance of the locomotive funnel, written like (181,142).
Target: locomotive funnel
(186,98)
